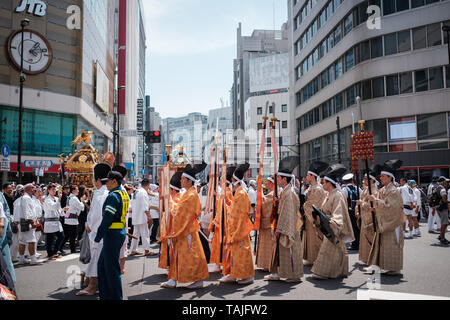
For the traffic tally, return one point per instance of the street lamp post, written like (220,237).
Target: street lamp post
(23,24)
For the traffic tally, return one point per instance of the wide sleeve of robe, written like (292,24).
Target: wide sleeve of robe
(389,209)
(185,214)
(240,224)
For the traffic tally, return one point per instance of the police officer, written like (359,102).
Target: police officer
(112,231)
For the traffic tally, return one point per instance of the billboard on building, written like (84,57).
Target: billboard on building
(102,88)
(269,73)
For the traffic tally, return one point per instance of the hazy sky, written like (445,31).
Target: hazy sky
(191,47)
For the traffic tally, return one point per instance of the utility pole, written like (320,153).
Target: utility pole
(23,24)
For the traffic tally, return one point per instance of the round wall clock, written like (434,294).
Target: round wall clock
(37,53)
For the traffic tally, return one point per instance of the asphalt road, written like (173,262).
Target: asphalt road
(426,272)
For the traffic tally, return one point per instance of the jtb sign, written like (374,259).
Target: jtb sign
(36,7)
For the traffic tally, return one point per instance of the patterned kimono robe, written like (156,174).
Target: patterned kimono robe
(239,261)
(389,214)
(189,263)
(367,232)
(265,239)
(217,224)
(290,244)
(332,261)
(312,238)
(166,230)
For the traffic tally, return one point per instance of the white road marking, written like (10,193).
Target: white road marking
(69,257)
(365,294)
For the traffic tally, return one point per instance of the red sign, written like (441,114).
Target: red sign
(122,54)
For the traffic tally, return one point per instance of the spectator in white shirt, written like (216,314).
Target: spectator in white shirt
(52,225)
(408,207)
(140,217)
(154,212)
(71,218)
(27,236)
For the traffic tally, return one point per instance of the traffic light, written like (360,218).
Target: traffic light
(152,137)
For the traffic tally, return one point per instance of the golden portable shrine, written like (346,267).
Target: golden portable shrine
(78,168)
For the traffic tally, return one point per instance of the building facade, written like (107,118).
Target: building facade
(76,91)
(395,76)
(261,43)
(188,132)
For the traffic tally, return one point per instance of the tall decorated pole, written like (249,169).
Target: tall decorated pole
(259,192)
(223,186)
(276,259)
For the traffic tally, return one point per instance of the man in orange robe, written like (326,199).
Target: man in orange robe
(166,222)
(239,262)
(189,263)
(216,224)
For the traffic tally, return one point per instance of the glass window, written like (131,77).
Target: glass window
(337,3)
(379,131)
(331,74)
(338,68)
(315,85)
(404,41)
(299,98)
(348,24)
(431,1)
(388,7)
(419,38)
(324,79)
(350,95)
(330,41)
(432,126)
(446,23)
(367,90)
(362,8)
(284,108)
(339,102)
(447,76)
(337,34)
(402,129)
(376,46)
(417,3)
(284,124)
(259,126)
(323,17)
(390,44)
(259,111)
(406,85)
(315,56)
(349,60)
(392,85)
(421,80)
(433,145)
(305,67)
(314,28)
(402,5)
(436,78)
(331,107)
(365,50)
(378,87)
(329,9)
(323,48)
(310,61)
(434,35)
(325,113)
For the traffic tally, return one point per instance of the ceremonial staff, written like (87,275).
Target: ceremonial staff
(276,260)
(216,137)
(222,203)
(259,193)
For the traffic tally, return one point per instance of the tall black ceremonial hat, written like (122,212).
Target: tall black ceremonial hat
(318,167)
(120,169)
(175,181)
(230,172)
(101,171)
(192,171)
(288,164)
(335,172)
(241,170)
